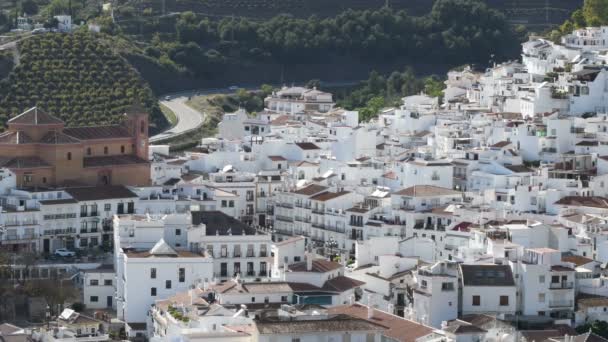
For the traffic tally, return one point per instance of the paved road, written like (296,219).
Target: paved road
(187,118)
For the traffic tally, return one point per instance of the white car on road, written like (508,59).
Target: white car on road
(64,252)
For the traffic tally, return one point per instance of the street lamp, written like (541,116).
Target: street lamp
(331,244)
(48,317)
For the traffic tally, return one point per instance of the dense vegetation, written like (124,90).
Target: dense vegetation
(455,31)
(593,13)
(77,78)
(379,91)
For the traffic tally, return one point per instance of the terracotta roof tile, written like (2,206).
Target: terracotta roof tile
(126,159)
(399,329)
(35,116)
(98,132)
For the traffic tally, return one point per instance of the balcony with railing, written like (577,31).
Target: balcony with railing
(283,218)
(59,231)
(319,225)
(564,285)
(14,223)
(561,303)
(318,211)
(13,238)
(284,205)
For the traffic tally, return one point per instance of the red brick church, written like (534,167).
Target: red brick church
(41,151)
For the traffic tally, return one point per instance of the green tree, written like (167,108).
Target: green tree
(29,7)
(372,108)
(433,86)
(597,327)
(595,12)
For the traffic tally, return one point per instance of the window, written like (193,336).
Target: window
(94,282)
(447,286)
(142,127)
(69,155)
(283,298)
(555,279)
(504,300)
(105,150)
(107,282)
(107,207)
(182,275)
(231,204)
(541,279)
(295,339)
(541,297)
(167,284)
(153,273)
(153,291)
(224,204)
(122,149)
(178,232)
(253,299)
(88,151)
(423,284)
(476,300)
(94,299)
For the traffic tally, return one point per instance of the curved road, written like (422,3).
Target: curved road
(187,118)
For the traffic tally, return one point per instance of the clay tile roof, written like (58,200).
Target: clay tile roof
(98,132)
(578,260)
(55,137)
(311,190)
(390,175)
(326,196)
(461,327)
(35,116)
(22,162)
(307,146)
(518,168)
(398,328)
(589,337)
(318,265)
(593,301)
(341,284)
(15,137)
(125,159)
(501,144)
(281,120)
(583,201)
(426,191)
(588,143)
(487,275)
(340,323)
(93,193)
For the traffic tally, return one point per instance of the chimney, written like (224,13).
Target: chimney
(308,257)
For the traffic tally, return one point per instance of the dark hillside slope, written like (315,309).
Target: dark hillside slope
(77,78)
(531,12)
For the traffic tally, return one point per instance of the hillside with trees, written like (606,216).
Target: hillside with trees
(76,77)
(592,13)
(345,47)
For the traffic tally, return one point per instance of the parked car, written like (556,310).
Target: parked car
(167,98)
(233,88)
(64,252)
